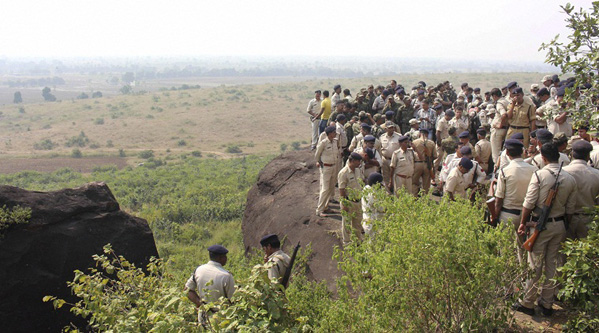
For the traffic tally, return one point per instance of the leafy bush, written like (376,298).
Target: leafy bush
(295,145)
(76,153)
(78,141)
(283,147)
(45,144)
(11,216)
(579,280)
(181,143)
(122,153)
(146,154)
(429,267)
(233,150)
(196,153)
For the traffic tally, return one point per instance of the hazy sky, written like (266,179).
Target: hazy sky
(494,30)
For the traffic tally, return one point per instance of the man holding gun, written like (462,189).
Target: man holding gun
(544,252)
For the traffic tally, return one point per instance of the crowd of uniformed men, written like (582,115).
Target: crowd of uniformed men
(434,137)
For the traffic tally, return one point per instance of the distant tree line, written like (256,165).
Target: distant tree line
(45,81)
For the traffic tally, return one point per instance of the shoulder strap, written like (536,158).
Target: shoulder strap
(538,179)
(503,173)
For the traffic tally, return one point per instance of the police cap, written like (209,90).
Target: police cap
(269,239)
(517,136)
(582,147)
(466,163)
(465,150)
(464,134)
(513,143)
(544,135)
(369,138)
(511,84)
(218,249)
(329,129)
(355,156)
(389,114)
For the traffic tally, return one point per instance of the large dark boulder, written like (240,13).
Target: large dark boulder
(283,201)
(66,228)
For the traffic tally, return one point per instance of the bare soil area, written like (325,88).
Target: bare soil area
(85,164)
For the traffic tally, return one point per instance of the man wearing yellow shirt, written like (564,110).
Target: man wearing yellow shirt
(325,112)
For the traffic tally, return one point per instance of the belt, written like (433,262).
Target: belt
(503,127)
(403,176)
(419,161)
(327,165)
(583,214)
(551,219)
(520,127)
(511,211)
(539,126)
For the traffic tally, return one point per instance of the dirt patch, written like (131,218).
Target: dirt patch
(84,165)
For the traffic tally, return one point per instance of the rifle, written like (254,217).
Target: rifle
(544,216)
(287,275)
(427,159)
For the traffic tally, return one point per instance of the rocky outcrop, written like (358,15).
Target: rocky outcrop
(283,201)
(66,228)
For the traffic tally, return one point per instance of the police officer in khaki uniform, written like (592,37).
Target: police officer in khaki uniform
(426,152)
(512,183)
(389,144)
(482,149)
(521,115)
(544,254)
(402,167)
(465,140)
(277,261)
(456,183)
(442,133)
(544,136)
(349,189)
(327,156)
(499,123)
(210,281)
(587,181)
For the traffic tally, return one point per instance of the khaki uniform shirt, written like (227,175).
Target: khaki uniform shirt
(222,282)
(442,128)
(334,99)
(420,145)
(327,151)
(476,171)
(523,115)
(280,264)
(587,181)
(482,149)
(350,179)
(403,162)
(314,106)
(538,189)
(341,135)
(538,160)
(512,183)
(456,183)
(460,125)
(389,144)
(594,161)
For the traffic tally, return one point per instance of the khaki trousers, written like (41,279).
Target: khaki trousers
(543,259)
(402,182)
(440,157)
(525,132)
(497,138)
(328,179)
(420,171)
(514,219)
(353,220)
(579,226)
(315,123)
(386,170)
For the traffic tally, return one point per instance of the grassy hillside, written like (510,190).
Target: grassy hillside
(255,118)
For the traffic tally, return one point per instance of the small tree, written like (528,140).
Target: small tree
(126,90)
(97,94)
(580,55)
(48,97)
(17,99)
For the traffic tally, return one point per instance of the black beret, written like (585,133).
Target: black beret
(513,143)
(268,239)
(476,89)
(517,136)
(582,147)
(555,78)
(464,134)
(561,91)
(365,126)
(511,84)
(341,117)
(465,150)
(466,163)
(370,152)
(424,130)
(218,249)
(329,129)
(337,86)
(403,138)
(481,131)
(544,135)
(389,113)
(518,91)
(464,85)
(543,91)
(375,178)
(400,91)
(385,92)
(355,156)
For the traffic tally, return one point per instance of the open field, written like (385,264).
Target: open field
(256,118)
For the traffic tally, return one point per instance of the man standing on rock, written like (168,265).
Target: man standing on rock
(313,110)
(277,260)
(349,190)
(327,156)
(210,281)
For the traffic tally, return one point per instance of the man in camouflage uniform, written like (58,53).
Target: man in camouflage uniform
(377,130)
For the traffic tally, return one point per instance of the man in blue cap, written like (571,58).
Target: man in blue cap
(402,167)
(350,188)
(521,115)
(560,120)
(277,261)
(504,159)
(389,144)
(544,136)
(371,157)
(456,182)
(380,101)
(336,98)
(426,153)
(587,181)
(210,281)
(459,121)
(512,183)
(327,156)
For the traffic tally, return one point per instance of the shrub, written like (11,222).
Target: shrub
(181,143)
(196,153)
(579,280)
(76,153)
(109,144)
(283,147)
(122,153)
(146,154)
(12,216)
(295,145)
(99,121)
(45,144)
(233,150)
(78,141)
(21,109)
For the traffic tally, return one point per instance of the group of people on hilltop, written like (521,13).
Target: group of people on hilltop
(456,142)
